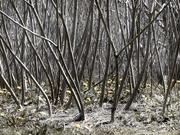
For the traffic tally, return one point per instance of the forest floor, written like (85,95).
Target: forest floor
(143,118)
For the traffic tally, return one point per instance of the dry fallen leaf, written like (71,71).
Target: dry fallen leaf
(4,89)
(85,84)
(89,123)
(20,118)
(178,81)
(111,91)
(76,125)
(148,85)
(8,93)
(127,91)
(19,87)
(148,110)
(88,99)
(1,91)
(2,114)
(68,91)
(109,81)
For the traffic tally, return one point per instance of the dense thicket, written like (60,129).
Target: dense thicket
(52,46)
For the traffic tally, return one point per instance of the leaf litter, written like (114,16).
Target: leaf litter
(144,117)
